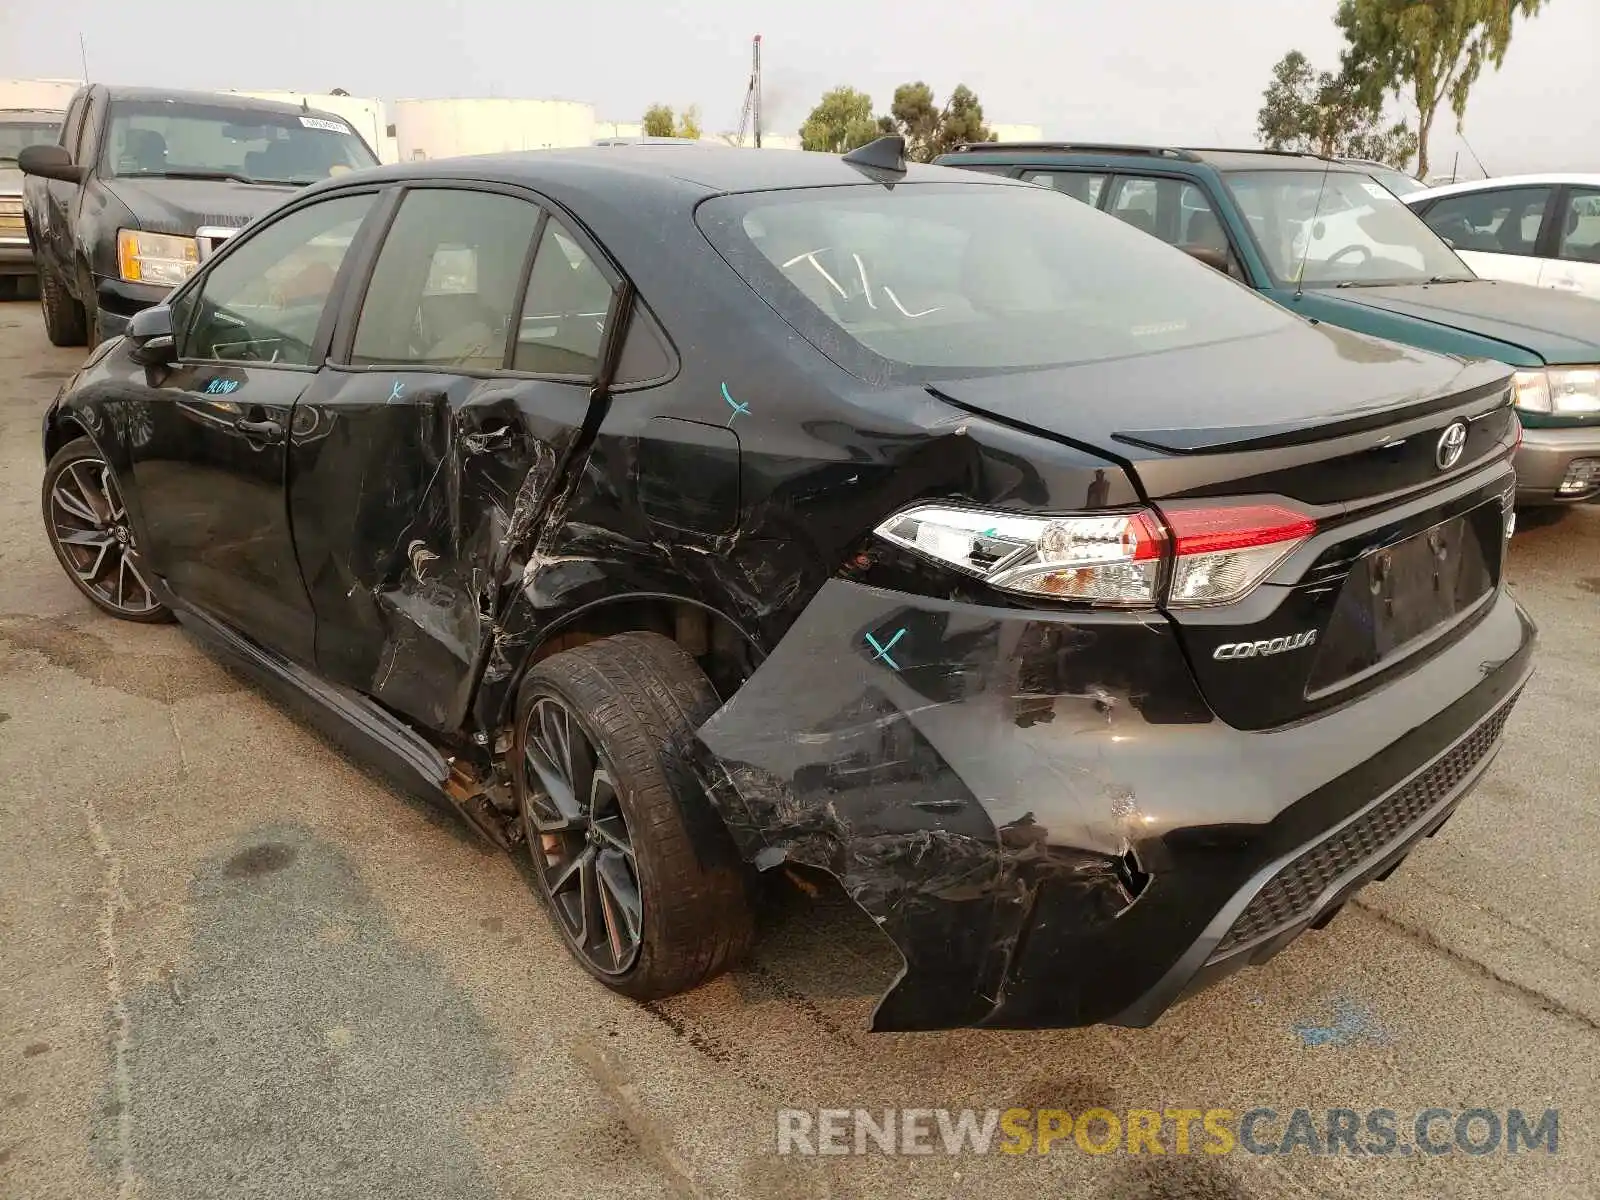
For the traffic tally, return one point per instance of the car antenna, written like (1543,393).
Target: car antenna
(882,159)
(1305,253)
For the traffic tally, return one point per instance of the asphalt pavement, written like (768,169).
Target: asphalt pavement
(232,964)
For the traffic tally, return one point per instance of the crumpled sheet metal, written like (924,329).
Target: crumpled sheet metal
(944,774)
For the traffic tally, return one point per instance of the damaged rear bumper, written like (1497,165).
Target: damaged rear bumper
(1044,816)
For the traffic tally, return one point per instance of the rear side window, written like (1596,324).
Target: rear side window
(564,315)
(1080,185)
(1580,226)
(931,279)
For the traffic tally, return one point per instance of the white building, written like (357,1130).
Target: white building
(38,93)
(446,128)
(1017,133)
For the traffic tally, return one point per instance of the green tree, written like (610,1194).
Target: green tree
(689,123)
(930,130)
(658,121)
(1323,113)
(841,121)
(1434,48)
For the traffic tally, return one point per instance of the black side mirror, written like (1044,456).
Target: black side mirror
(51,162)
(150,331)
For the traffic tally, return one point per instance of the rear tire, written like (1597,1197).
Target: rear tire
(665,904)
(65,323)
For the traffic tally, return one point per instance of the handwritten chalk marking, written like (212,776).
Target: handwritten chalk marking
(883,651)
(394,392)
(738,409)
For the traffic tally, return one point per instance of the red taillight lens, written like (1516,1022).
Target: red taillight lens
(1220,553)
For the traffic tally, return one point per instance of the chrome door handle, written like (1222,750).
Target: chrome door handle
(260,431)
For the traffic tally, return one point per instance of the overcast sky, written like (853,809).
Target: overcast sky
(1177,71)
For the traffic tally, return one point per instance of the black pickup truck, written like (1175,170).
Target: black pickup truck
(145,184)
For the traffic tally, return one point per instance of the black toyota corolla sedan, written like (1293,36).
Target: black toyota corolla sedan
(678,513)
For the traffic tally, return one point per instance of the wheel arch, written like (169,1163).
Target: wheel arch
(725,650)
(62,427)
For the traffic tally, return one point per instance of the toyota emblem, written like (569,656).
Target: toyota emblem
(1452,443)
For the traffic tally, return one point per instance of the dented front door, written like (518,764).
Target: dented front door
(406,488)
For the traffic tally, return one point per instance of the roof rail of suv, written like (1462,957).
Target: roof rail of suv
(1082,148)
(1197,150)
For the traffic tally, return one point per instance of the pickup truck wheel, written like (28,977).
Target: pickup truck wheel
(64,320)
(87,524)
(636,869)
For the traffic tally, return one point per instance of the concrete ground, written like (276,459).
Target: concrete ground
(233,964)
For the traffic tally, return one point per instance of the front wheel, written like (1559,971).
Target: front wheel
(88,527)
(65,322)
(639,875)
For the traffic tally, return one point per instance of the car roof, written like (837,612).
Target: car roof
(709,170)
(1219,158)
(150,95)
(1551,179)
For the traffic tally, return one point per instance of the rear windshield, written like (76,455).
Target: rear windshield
(927,280)
(187,141)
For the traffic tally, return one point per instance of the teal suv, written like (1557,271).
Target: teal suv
(1328,241)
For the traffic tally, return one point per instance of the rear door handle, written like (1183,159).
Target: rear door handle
(260,431)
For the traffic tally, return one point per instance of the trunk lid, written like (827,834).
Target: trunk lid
(1401,457)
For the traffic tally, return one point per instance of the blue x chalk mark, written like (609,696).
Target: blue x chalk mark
(883,651)
(394,392)
(738,409)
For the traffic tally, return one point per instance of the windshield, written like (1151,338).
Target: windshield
(951,279)
(198,141)
(16,136)
(1361,234)
(1397,182)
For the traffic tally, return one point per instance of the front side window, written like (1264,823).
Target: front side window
(1339,228)
(1580,226)
(940,280)
(445,285)
(263,301)
(17,136)
(1498,221)
(196,141)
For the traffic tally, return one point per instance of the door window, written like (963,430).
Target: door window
(1496,221)
(1177,212)
(564,316)
(91,129)
(263,300)
(1080,185)
(445,285)
(73,125)
(1580,226)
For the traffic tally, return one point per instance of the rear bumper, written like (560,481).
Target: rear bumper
(1551,458)
(1047,820)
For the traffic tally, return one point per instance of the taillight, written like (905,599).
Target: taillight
(1218,553)
(1221,553)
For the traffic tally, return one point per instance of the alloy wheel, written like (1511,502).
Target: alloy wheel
(579,838)
(89,524)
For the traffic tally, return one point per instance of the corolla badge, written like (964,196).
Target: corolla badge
(1277,645)
(1452,443)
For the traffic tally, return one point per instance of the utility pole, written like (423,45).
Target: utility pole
(752,96)
(83,57)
